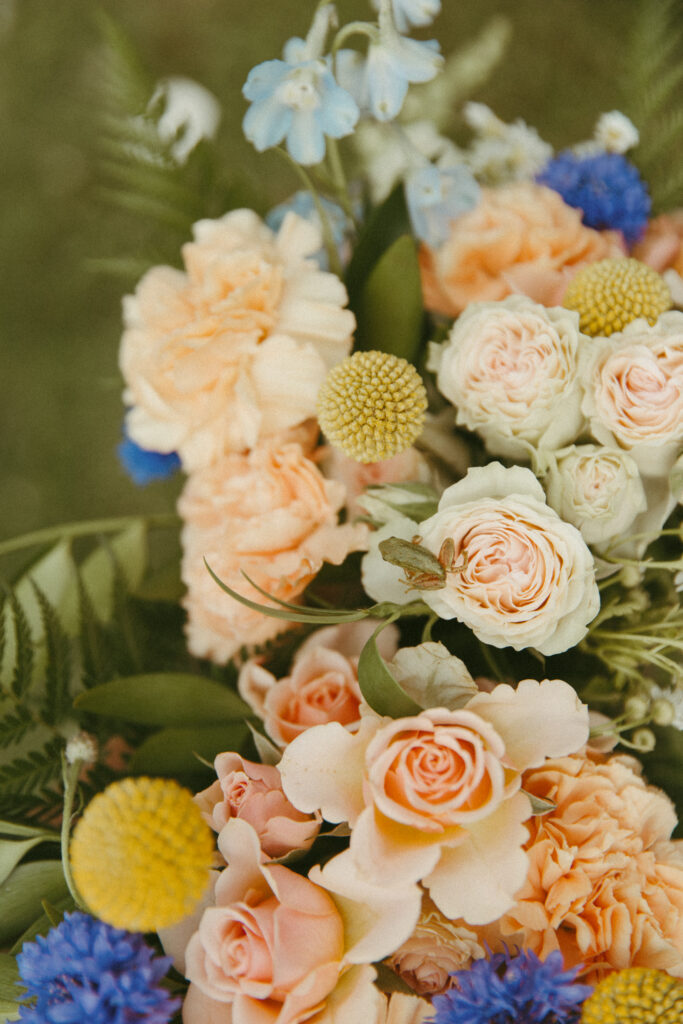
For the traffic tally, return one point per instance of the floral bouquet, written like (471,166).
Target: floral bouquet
(395,734)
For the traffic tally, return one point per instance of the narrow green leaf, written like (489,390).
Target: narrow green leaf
(539,805)
(378,686)
(386,223)
(9,976)
(12,851)
(390,311)
(43,924)
(267,751)
(164,698)
(172,751)
(22,894)
(11,828)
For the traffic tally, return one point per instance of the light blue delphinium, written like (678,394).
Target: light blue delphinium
(303,204)
(297,100)
(393,62)
(413,13)
(437,195)
(86,972)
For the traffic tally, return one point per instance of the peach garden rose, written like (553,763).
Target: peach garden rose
(435,798)
(505,366)
(233,349)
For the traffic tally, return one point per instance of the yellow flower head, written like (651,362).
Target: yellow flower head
(637,995)
(610,293)
(141,853)
(372,405)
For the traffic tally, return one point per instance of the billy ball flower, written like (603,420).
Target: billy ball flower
(86,972)
(507,989)
(141,854)
(635,994)
(372,405)
(610,293)
(605,187)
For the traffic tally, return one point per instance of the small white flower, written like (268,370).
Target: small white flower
(81,747)
(191,113)
(615,133)
(482,120)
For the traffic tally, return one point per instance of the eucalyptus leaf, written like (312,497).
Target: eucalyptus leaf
(172,751)
(390,311)
(22,894)
(378,686)
(164,698)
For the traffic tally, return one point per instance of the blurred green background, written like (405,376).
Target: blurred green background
(60,411)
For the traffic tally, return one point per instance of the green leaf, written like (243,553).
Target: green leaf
(9,976)
(23,648)
(172,751)
(378,686)
(12,851)
(128,551)
(58,667)
(11,828)
(46,921)
(388,981)
(164,698)
(385,225)
(267,751)
(22,893)
(390,311)
(30,774)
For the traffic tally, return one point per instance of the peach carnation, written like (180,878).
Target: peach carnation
(233,349)
(605,884)
(270,514)
(520,238)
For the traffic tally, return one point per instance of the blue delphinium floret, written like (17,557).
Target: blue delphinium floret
(86,972)
(413,13)
(508,989)
(605,186)
(435,196)
(144,466)
(298,103)
(303,204)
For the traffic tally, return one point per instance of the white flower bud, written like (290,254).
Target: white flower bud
(644,740)
(636,707)
(615,133)
(662,712)
(81,747)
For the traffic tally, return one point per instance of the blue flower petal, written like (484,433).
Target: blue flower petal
(305,138)
(267,123)
(386,88)
(339,111)
(264,79)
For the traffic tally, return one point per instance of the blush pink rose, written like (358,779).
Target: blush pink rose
(232,350)
(662,245)
(270,514)
(253,792)
(323,683)
(520,238)
(273,944)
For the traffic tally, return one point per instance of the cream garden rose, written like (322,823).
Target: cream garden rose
(522,576)
(436,797)
(634,391)
(597,489)
(233,349)
(505,367)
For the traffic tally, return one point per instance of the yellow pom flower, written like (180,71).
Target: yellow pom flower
(637,995)
(141,853)
(372,405)
(609,294)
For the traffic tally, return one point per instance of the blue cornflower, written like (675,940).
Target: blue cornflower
(605,186)
(300,103)
(413,13)
(144,466)
(509,989)
(86,972)
(303,204)
(437,195)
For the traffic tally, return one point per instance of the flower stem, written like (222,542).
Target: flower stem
(328,235)
(70,772)
(85,528)
(339,178)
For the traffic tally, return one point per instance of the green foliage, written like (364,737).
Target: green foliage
(653,98)
(389,311)
(22,894)
(378,686)
(165,698)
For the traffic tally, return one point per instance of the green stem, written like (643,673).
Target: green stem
(339,178)
(86,528)
(354,28)
(328,234)
(70,774)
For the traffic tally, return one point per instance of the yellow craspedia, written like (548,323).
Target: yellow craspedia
(609,294)
(637,995)
(141,853)
(372,405)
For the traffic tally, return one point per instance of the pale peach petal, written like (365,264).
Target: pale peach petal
(388,852)
(355,999)
(322,769)
(536,720)
(377,918)
(198,1008)
(477,880)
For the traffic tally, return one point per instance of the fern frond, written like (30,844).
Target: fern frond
(59,661)
(14,725)
(96,666)
(23,655)
(653,96)
(33,772)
